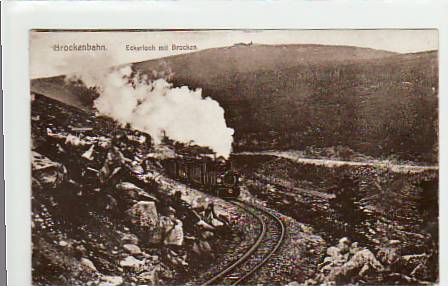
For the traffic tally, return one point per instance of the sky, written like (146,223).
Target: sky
(45,62)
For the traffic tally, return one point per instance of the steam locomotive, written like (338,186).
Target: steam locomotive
(212,176)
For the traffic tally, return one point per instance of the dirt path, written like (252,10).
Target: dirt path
(397,168)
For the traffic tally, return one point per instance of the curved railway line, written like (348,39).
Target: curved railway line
(268,242)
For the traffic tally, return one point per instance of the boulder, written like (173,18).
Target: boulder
(132,249)
(63,243)
(89,153)
(173,230)
(132,262)
(47,173)
(345,262)
(87,265)
(74,140)
(130,189)
(129,238)
(134,192)
(144,213)
(359,264)
(111,280)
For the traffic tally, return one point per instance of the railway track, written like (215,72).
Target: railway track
(268,242)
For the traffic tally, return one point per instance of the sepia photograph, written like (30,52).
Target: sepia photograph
(234,157)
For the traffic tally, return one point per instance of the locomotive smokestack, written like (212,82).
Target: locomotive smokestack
(158,108)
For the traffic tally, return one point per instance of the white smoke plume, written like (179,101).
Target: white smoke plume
(158,108)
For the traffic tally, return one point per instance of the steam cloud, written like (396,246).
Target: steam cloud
(156,107)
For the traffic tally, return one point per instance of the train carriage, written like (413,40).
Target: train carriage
(209,175)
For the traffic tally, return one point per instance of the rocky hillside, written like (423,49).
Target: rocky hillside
(138,230)
(376,207)
(294,96)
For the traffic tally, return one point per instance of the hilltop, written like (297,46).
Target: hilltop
(204,65)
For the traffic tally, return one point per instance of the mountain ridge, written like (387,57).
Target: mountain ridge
(297,96)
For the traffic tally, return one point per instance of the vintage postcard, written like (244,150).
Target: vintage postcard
(225,157)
